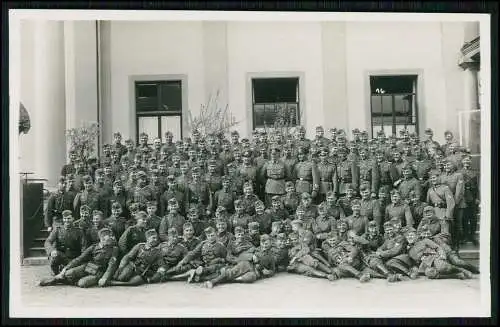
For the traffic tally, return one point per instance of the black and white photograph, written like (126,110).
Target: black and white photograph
(249,164)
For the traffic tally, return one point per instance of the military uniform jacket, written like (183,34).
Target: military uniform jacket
(265,221)
(105,258)
(274,173)
(92,233)
(289,166)
(310,213)
(392,247)
(171,194)
(471,185)
(121,198)
(190,244)
(153,223)
(369,173)
(142,195)
(208,252)
(226,157)
(249,203)
(291,202)
(434,225)
(408,185)
(357,224)
(277,215)
(117,225)
(443,201)
(455,181)
(370,209)
(146,260)
(132,236)
(214,183)
(183,182)
(71,242)
(387,173)
(321,226)
(346,172)
(241,221)
(224,199)
(249,173)
(266,260)
(307,176)
(68,169)
(225,238)
(240,250)
(171,221)
(92,199)
(326,175)
(55,206)
(402,211)
(172,252)
(345,203)
(424,251)
(198,193)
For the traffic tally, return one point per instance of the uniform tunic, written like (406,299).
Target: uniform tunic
(274,173)
(130,237)
(103,258)
(346,173)
(307,176)
(146,260)
(401,211)
(326,175)
(442,199)
(69,242)
(171,221)
(172,252)
(408,185)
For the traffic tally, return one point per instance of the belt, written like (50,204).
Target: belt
(276,178)
(325,180)
(440,205)
(305,180)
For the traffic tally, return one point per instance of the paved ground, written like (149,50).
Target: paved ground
(283,295)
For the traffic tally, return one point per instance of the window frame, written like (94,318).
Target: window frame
(295,77)
(415,94)
(157,113)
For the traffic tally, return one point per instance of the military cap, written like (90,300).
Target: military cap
(297,222)
(259,203)
(87,179)
(343,222)
(212,162)
(428,131)
(235,133)
(84,207)
(356,131)
(319,128)
(97,213)
(195,169)
(246,154)
(239,229)
(305,195)
(409,229)
(141,215)
(141,174)
(253,225)
(429,209)
(247,184)
(150,232)
(105,231)
(155,171)
(245,140)
(106,146)
(152,203)
(301,129)
(434,172)
(67,213)
(70,177)
(276,198)
(302,150)
(281,236)
(372,223)
(187,225)
(124,159)
(222,208)
(466,156)
(388,224)
(322,207)
(209,230)
(364,133)
(129,141)
(380,133)
(172,201)
(99,171)
(264,238)
(355,202)
(289,184)
(107,164)
(238,203)
(116,205)
(170,178)
(152,159)
(195,132)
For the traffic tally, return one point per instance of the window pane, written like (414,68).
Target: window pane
(268,90)
(381,105)
(146,97)
(172,124)
(149,125)
(171,96)
(392,84)
(258,110)
(292,115)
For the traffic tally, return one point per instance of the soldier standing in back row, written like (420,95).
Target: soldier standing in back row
(471,199)
(274,174)
(307,174)
(345,173)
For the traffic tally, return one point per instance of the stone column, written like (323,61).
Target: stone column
(49,90)
(471,98)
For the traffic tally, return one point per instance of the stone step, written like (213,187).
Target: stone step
(36,261)
(37,251)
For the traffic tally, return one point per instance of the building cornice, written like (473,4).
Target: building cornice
(470,53)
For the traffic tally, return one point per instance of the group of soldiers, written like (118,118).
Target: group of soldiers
(216,210)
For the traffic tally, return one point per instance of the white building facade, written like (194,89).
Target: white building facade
(135,76)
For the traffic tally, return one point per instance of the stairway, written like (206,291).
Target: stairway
(36,253)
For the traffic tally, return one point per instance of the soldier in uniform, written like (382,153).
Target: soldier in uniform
(448,137)
(173,192)
(386,171)
(143,144)
(64,243)
(153,220)
(224,197)
(277,211)
(248,171)
(172,251)
(326,175)
(428,142)
(306,172)
(95,266)
(212,254)
(416,206)
(56,205)
(169,145)
(263,218)
(92,232)
(356,222)
(408,183)
(141,193)
(241,217)
(184,178)
(320,138)
(310,210)
(273,173)
(368,172)
(198,192)
(69,168)
(440,196)
(302,141)
(131,151)
(171,220)
(291,199)
(345,201)
(430,223)
(212,178)
(116,221)
(323,224)
(346,172)
(240,248)
(398,209)
(143,264)
(134,234)
(471,199)
(421,167)
(455,181)
(369,206)
(105,191)
(89,196)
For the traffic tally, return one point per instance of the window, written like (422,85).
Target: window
(158,108)
(394,104)
(275,100)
